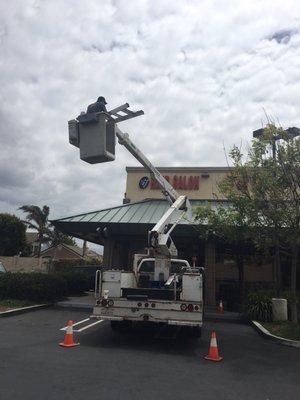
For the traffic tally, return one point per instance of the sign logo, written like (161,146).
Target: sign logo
(144,182)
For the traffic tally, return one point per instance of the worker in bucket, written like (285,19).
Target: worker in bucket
(98,106)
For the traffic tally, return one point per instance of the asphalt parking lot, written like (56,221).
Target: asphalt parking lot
(108,365)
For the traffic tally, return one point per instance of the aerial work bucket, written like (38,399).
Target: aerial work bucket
(94,131)
(94,134)
(97,140)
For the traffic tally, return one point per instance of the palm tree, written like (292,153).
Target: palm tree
(57,237)
(37,219)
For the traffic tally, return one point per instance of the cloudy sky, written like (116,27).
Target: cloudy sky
(203,72)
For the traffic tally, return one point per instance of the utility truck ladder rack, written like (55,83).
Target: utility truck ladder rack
(127,114)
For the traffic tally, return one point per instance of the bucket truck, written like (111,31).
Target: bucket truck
(159,288)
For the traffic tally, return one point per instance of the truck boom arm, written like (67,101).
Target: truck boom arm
(165,186)
(159,237)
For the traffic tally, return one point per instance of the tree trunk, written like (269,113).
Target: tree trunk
(240,265)
(40,244)
(277,270)
(294,308)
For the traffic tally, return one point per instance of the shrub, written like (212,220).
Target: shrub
(76,282)
(258,306)
(32,287)
(38,287)
(65,265)
(86,270)
(60,265)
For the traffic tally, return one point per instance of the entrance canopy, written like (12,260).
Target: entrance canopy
(126,220)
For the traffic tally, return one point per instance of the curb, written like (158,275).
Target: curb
(278,339)
(23,310)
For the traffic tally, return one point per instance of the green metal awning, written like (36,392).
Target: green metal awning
(127,219)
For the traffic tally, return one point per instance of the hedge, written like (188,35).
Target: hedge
(59,265)
(39,287)
(77,282)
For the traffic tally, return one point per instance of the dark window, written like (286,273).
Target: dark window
(147,266)
(176,268)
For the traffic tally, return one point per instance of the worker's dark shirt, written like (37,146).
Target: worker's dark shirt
(96,107)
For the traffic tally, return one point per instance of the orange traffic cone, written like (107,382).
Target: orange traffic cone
(213,354)
(221,309)
(68,340)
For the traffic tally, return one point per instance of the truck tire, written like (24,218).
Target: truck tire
(115,325)
(121,326)
(196,331)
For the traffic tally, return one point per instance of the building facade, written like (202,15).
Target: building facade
(123,230)
(197,183)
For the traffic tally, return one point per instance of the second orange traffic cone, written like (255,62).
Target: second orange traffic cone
(221,308)
(213,354)
(68,340)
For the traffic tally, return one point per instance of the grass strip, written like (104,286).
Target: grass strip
(287,330)
(10,304)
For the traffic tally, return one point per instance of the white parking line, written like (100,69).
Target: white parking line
(82,322)
(89,326)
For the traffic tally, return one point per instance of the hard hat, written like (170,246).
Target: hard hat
(101,99)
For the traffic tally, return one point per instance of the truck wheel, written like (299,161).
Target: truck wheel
(196,331)
(126,326)
(121,326)
(115,325)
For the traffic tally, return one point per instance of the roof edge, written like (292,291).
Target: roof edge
(200,169)
(103,209)
(63,245)
(130,204)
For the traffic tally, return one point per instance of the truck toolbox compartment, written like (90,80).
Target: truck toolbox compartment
(154,294)
(137,297)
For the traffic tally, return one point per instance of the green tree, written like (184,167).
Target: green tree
(228,225)
(266,187)
(288,161)
(12,235)
(57,237)
(37,219)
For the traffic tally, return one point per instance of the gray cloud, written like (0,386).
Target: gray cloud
(283,36)
(202,72)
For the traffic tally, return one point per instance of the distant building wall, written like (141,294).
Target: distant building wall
(253,273)
(24,264)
